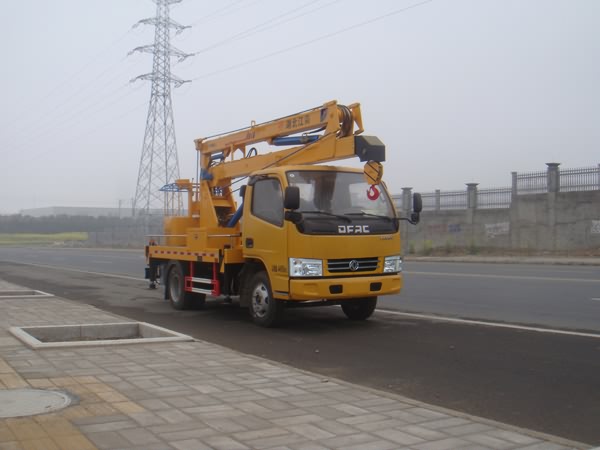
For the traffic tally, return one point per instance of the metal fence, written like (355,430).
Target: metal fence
(532,183)
(552,180)
(494,198)
(583,179)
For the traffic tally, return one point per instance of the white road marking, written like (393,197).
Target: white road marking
(505,277)
(68,269)
(488,324)
(596,299)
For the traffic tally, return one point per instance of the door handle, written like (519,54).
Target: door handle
(249,243)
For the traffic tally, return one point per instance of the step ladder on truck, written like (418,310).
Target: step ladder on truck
(304,233)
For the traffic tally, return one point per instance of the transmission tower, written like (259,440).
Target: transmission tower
(159,164)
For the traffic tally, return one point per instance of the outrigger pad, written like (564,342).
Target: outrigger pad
(369,148)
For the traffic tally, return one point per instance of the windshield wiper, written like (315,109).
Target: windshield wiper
(362,213)
(325,213)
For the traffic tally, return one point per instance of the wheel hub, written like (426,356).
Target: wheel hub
(260,300)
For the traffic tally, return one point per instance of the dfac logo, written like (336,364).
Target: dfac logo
(353,229)
(354,265)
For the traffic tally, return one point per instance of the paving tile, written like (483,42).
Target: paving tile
(147,418)
(154,404)
(224,425)
(364,418)
(26,428)
(489,441)
(174,416)
(350,409)
(441,424)
(310,431)
(108,440)
(12,381)
(74,442)
(305,418)
(259,433)
(544,446)
(380,425)
(398,436)
(444,444)
(40,383)
(428,413)
(337,428)
(275,441)
(5,433)
(374,445)
(251,422)
(39,444)
(423,433)
(224,443)
(467,429)
(139,436)
(128,407)
(512,436)
(349,440)
(57,426)
(190,444)
(108,426)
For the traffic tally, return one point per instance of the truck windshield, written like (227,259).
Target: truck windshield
(339,193)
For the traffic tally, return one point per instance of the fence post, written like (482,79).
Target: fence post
(406,208)
(406,200)
(472,195)
(553,177)
(553,189)
(438,199)
(515,187)
(599,177)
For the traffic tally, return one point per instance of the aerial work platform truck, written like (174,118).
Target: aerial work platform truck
(303,233)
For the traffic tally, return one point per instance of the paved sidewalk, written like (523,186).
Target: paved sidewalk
(197,395)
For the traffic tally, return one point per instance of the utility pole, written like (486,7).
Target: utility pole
(159,163)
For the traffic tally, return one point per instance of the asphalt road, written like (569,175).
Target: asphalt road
(544,381)
(563,297)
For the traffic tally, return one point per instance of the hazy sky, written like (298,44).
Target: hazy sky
(458,90)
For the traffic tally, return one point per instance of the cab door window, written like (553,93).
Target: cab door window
(267,201)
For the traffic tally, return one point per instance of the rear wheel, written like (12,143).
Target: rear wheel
(264,309)
(179,297)
(359,308)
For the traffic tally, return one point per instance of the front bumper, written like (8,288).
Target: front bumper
(342,288)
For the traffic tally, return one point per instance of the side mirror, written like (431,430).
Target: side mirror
(242,192)
(417,203)
(291,199)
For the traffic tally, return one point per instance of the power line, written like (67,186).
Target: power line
(53,90)
(261,26)
(312,41)
(47,119)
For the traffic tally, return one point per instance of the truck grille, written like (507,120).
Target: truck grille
(352,265)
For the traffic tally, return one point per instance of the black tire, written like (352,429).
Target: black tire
(179,297)
(359,308)
(264,309)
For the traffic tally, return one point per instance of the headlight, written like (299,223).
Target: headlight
(300,267)
(392,264)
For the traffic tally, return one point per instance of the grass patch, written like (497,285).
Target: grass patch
(41,238)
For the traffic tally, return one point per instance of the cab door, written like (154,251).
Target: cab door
(264,231)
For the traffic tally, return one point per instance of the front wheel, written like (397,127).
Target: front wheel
(264,309)
(359,308)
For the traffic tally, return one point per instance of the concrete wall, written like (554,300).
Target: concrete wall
(555,222)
